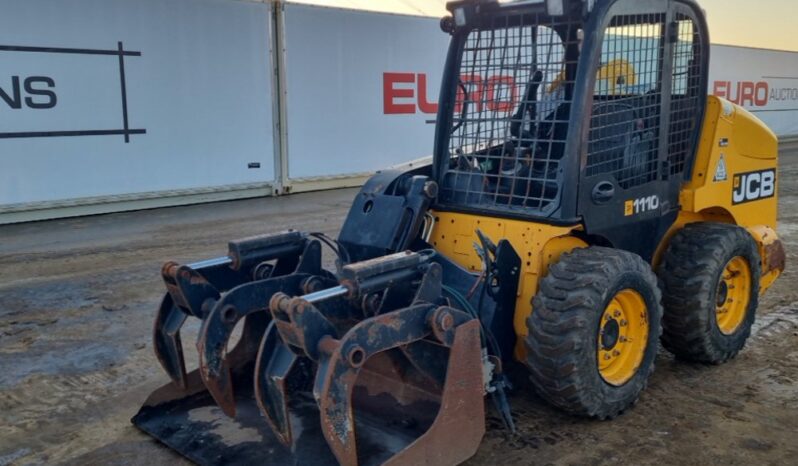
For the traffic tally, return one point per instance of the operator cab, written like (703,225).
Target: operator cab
(560,110)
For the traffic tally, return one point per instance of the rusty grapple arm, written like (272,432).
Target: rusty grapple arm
(230,285)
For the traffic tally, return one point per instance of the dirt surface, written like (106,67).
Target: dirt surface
(77,300)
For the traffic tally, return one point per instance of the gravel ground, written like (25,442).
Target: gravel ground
(78,296)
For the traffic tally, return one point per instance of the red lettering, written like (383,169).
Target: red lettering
(496,94)
(391,93)
(736,98)
(762,94)
(470,81)
(747,93)
(499,99)
(423,104)
(721,89)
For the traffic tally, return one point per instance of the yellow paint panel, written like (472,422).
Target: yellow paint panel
(746,145)
(734,144)
(537,244)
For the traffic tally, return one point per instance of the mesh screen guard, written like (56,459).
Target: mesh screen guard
(511,114)
(686,95)
(514,99)
(625,123)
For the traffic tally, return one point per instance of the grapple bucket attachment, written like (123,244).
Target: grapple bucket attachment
(374,367)
(194,290)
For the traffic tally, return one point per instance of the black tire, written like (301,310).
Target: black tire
(562,345)
(691,273)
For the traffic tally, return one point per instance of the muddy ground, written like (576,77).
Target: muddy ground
(77,299)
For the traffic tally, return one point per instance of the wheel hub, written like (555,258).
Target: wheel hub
(723,293)
(733,295)
(610,334)
(622,337)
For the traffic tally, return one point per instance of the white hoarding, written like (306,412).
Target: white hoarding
(104,98)
(361,89)
(114,99)
(763,81)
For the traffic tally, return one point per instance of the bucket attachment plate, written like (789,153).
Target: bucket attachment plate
(193,425)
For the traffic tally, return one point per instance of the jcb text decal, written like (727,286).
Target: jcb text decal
(753,186)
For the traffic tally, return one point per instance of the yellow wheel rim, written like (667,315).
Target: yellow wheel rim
(733,295)
(623,337)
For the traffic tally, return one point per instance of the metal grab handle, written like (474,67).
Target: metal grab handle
(603,192)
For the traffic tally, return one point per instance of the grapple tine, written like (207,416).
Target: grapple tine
(339,370)
(166,340)
(459,427)
(187,291)
(274,364)
(219,383)
(249,302)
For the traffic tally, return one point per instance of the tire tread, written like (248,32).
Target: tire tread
(558,356)
(688,273)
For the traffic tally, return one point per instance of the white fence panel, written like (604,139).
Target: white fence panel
(195,113)
(763,81)
(361,89)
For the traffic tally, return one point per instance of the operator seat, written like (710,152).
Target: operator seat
(620,144)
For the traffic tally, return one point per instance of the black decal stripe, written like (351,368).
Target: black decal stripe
(119,52)
(20,48)
(58,134)
(124,90)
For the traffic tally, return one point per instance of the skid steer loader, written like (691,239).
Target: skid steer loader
(586,199)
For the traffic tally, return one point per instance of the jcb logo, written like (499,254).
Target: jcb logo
(754,186)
